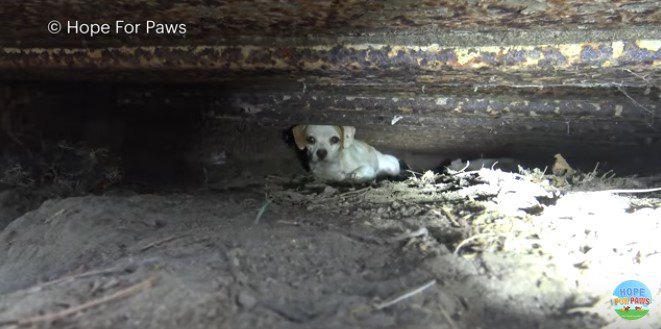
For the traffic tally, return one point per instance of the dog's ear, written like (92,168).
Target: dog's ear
(347,135)
(299,136)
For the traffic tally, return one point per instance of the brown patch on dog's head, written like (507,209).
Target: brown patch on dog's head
(299,136)
(340,132)
(347,135)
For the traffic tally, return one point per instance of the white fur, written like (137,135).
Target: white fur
(349,160)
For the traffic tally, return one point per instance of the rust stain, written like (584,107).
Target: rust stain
(335,58)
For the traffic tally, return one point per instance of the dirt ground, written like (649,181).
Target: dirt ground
(478,249)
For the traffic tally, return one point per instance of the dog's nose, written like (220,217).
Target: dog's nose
(321,154)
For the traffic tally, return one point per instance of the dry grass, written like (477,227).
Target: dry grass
(63,169)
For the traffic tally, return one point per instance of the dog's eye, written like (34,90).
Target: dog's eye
(334,140)
(310,140)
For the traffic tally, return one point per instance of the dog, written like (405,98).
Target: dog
(335,156)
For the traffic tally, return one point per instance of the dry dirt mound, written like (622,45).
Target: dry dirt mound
(486,248)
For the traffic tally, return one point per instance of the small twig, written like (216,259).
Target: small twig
(413,172)
(468,163)
(447,317)
(596,166)
(344,194)
(288,222)
(358,191)
(262,210)
(450,216)
(72,277)
(55,215)
(466,173)
(467,240)
(159,242)
(605,175)
(52,316)
(406,295)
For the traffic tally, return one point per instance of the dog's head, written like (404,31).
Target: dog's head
(323,143)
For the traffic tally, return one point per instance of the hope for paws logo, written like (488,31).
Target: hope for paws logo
(631,300)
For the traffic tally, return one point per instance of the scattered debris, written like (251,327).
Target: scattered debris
(53,316)
(549,245)
(73,277)
(504,164)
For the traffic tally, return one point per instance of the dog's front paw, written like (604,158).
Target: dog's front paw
(355,176)
(361,175)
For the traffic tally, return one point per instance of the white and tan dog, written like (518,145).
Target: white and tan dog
(335,156)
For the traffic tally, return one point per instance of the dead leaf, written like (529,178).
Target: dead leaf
(561,167)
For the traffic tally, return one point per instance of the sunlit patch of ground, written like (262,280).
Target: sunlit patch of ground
(586,232)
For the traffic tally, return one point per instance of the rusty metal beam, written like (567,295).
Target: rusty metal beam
(594,64)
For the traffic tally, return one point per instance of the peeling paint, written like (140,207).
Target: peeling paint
(618,49)
(651,45)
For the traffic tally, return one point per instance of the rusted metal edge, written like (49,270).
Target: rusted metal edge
(644,53)
(485,81)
